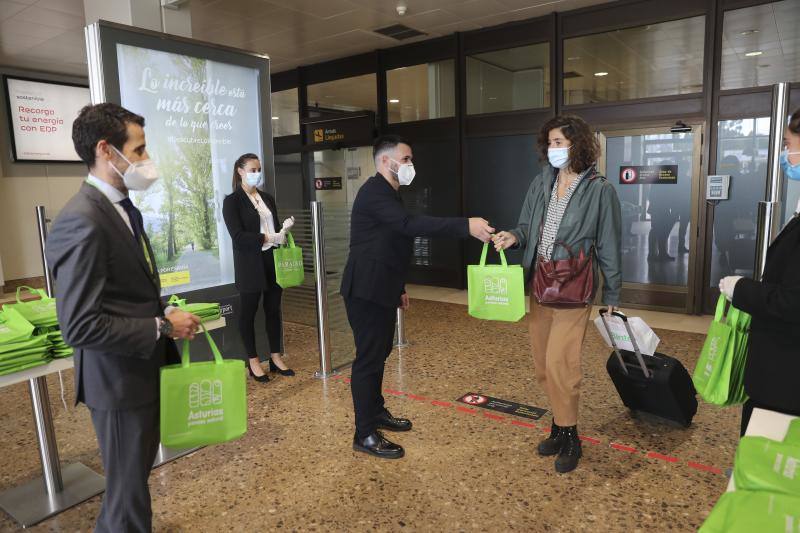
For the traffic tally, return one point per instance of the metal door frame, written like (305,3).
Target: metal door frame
(696,248)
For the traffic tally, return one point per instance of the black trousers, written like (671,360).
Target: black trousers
(272,311)
(373,331)
(747,412)
(128,440)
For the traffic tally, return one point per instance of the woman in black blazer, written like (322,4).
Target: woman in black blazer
(252,220)
(773,362)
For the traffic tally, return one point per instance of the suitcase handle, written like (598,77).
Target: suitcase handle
(637,351)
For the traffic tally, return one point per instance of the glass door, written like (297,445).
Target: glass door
(656,173)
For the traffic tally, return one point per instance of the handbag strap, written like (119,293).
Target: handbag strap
(185,358)
(485,251)
(289,240)
(31,290)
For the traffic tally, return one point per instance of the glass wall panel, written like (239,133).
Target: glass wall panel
(359,93)
(760,45)
(421,92)
(742,150)
(285,113)
(647,61)
(508,80)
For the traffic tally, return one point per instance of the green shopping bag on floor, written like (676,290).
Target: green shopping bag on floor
(745,511)
(14,327)
(718,376)
(767,465)
(289,264)
(203,403)
(496,292)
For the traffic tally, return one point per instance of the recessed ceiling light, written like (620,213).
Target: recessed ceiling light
(329,96)
(748,32)
(573,58)
(274,118)
(601,74)
(754,53)
(394,101)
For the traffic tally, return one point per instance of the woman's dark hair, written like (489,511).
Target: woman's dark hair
(585,149)
(101,122)
(794,122)
(240,163)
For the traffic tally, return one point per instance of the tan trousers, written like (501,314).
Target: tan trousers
(556,339)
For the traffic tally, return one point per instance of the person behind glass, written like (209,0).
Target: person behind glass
(252,218)
(568,202)
(773,361)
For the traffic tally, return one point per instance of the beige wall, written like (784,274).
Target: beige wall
(22,188)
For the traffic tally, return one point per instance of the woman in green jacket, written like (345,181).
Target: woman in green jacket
(568,203)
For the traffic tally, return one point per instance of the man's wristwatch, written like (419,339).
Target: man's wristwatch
(164,327)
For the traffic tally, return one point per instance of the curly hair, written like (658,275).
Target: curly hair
(585,149)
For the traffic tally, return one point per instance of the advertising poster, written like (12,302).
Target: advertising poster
(41,116)
(200,116)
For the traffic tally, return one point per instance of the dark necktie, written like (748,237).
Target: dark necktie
(135,216)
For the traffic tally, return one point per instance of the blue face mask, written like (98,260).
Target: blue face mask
(253,179)
(558,157)
(790,171)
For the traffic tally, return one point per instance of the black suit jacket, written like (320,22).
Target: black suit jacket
(107,300)
(773,364)
(381,242)
(244,226)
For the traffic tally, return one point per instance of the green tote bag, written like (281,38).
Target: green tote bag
(764,464)
(496,292)
(289,264)
(745,511)
(203,403)
(14,327)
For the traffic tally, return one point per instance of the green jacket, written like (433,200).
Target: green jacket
(592,217)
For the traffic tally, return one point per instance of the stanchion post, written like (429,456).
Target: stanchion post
(400,334)
(321,285)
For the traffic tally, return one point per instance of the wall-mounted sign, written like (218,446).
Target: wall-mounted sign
(353,173)
(648,175)
(350,131)
(41,115)
(328,184)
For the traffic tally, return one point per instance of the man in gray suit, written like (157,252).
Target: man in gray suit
(110,308)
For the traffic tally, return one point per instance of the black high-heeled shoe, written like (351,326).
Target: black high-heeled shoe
(274,368)
(260,379)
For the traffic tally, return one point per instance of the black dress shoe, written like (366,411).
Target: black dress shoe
(274,368)
(552,444)
(571,452)
(375,444)
(388,422)
(260,379)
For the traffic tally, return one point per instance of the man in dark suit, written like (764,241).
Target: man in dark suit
(373,286)
(110,309)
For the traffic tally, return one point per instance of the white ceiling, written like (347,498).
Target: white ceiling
(47,35)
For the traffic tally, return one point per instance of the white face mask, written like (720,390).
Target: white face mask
(253,179)
(405,172)
(558,157)
(139,176)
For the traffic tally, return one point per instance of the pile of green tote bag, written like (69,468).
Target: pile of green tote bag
(203,403)
(205,311)
(496,292)
(719,374)
(767,496)
(20,349)
(41,312)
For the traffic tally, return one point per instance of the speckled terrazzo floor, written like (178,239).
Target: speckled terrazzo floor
(463,471)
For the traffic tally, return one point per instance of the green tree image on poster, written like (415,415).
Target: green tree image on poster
(194,109)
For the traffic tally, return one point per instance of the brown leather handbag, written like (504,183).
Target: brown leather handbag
(566,282)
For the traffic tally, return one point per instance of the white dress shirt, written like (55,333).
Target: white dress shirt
(115,196)
(267,220)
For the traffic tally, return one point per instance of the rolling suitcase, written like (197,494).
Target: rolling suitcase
(656,384)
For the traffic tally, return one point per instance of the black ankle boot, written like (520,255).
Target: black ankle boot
(571,452)
(552,444)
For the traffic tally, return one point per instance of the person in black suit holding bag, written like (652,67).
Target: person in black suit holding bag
(110,308)
(251,217)
(373,283)
(773,361)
